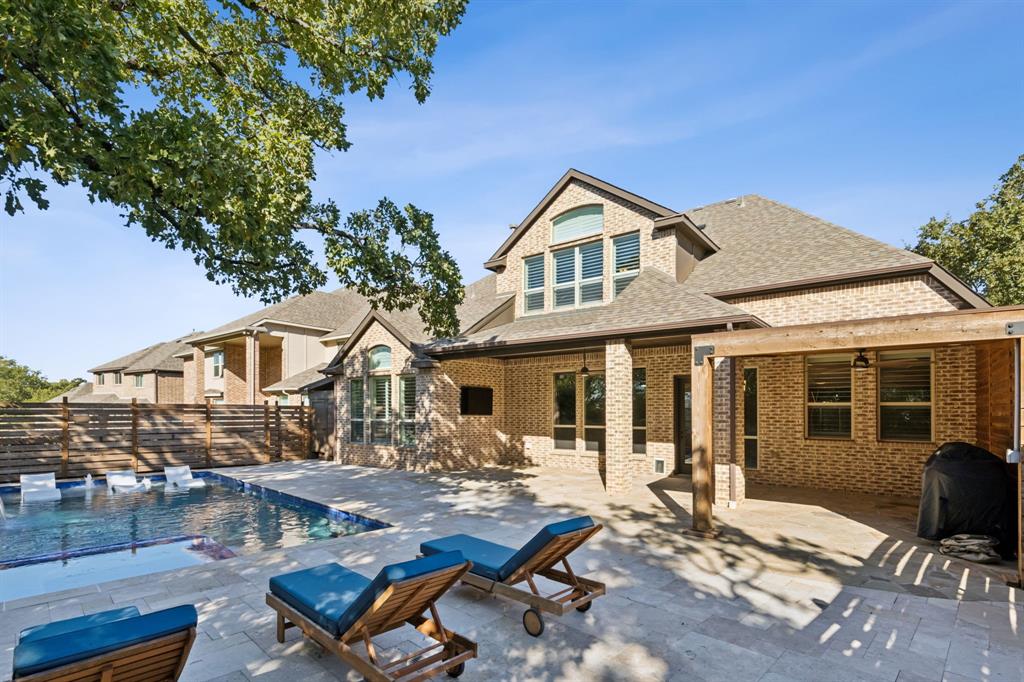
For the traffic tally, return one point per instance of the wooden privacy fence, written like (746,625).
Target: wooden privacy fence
(75,439)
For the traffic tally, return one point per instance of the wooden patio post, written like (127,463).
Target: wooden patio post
(135,434)
(277,430)
(307,426)
(703,386)
(266,430)
(65,437)
(209,435)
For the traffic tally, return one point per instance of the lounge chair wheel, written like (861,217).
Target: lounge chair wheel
(533,623)
(585,607)
(457,670)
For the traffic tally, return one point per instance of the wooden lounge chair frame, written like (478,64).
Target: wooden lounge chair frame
(157,660)
(404,601)
(577,594)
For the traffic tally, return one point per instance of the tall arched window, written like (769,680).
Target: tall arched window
(380,358)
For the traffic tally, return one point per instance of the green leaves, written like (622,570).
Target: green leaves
(986,250)
(200,121)
(20,384)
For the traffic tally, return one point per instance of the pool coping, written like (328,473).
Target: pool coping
(210,547)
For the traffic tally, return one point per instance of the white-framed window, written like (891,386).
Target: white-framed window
(533,284)
(117,378)
(380,409)
(283,400)
(579,275)
(564,432)
(100,379)
(905,395)
(380,358)
(829,381)
(138,381)
(356,411)
(407,410)
(577,223)
(750,405)
(218,364)
(639,410)
(626,259)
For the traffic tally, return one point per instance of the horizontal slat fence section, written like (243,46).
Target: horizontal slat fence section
(75,439)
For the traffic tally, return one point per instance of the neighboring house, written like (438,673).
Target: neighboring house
(579,354)
(151,375)
(274,353)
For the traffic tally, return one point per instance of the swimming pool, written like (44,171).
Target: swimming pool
(90,530)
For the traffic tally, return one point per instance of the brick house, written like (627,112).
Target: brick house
(154,374)
(581,354)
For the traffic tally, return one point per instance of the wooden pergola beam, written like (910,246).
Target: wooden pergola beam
(702,387)
(926,329)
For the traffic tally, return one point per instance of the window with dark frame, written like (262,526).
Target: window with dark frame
(829,396)
(476,400)
(905,396)
(218,364)
(117,378)
(750,443)
(639,410)
(564,433)
(357,411)
(139,381)
(594,412)
(100,379)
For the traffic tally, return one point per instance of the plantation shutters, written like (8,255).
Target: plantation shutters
(380,409)
(565,278)
(591,273)
(533,284)
(626,251)
(407,410)
(357,411)
(579,275)
(577,223)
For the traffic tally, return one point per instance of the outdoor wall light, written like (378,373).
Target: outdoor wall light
(584,370)
(861,362)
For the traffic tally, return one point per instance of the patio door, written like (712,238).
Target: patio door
(682,424)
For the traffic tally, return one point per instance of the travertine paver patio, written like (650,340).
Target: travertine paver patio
(801,585)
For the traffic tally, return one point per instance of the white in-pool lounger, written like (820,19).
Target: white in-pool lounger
(39,488)
(181,477)
(124,481)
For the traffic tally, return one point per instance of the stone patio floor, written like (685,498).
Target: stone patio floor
(801,585)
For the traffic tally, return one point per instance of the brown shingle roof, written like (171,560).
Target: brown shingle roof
(297,381)
(653,300)
(320,309)
(764,243)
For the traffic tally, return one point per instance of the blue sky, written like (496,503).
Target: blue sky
(874,116)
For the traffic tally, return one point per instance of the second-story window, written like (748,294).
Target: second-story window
(218,364)
(138,381)
(577,223)
(626,250)
(117,378)
(579,275)
(533,284)
(100,379)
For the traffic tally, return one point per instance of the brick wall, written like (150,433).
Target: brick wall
(170,388)
(864,463)
(270,368)
(620,217)
(887,297)
(234,374)
(188,389)
(456,441)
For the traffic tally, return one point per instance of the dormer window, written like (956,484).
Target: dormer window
(380,358)
(626,254)
(533,284)
(578,276)
(577,223)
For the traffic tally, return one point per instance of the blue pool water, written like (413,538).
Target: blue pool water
(61,544)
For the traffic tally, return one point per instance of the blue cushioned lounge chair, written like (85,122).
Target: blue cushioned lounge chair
(334,607)
(108,646)
(498,569)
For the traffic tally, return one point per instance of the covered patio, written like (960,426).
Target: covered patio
(972,393)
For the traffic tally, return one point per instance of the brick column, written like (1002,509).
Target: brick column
(618,376)
(729,483)
(199,363)
(252,370)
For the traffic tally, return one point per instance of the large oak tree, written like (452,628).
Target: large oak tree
(200,121)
